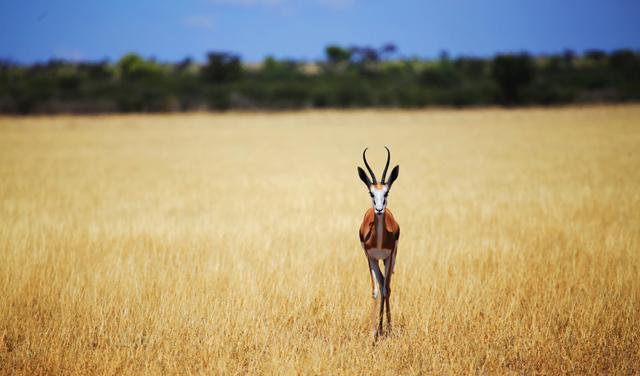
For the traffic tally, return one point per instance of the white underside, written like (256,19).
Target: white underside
(378,254)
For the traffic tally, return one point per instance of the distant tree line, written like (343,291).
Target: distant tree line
(346,78)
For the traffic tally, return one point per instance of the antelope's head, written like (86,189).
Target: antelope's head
(378,191)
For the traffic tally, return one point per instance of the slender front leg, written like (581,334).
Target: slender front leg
(381,315)
(374,297)
(377,281)
(389,263)
(388,315)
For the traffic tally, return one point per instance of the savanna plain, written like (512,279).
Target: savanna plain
(228,243)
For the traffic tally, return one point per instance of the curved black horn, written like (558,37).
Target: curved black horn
(373,176)
(384,173)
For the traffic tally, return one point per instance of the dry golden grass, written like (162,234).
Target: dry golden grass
(228,243)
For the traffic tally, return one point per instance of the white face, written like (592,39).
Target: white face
(379,197)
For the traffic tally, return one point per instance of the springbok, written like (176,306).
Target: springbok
(379,234)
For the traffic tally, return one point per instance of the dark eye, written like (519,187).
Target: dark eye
(370,194)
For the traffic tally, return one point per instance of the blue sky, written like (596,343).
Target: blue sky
(36,30)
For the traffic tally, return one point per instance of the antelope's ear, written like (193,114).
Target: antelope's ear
(364,177)
(394,175)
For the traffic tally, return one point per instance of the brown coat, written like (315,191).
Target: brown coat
(368,230)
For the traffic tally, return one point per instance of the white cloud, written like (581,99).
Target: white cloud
(199,22)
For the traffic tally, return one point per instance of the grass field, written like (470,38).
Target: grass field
(228,243)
